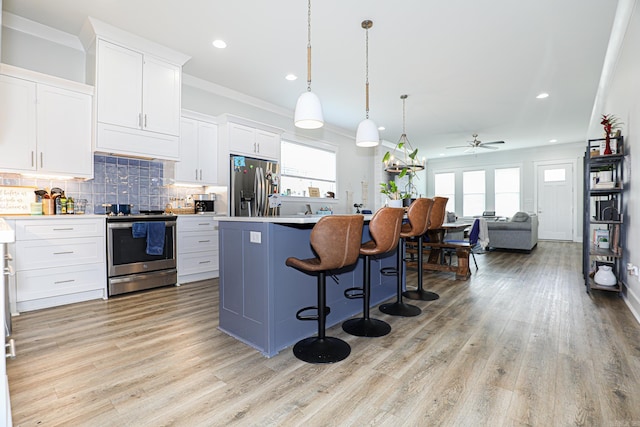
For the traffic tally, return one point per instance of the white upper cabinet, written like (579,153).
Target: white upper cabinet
(198,152)
(161,96)
(46,124)
(119,85)
(138,92)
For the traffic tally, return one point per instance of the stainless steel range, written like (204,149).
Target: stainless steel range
(141,251)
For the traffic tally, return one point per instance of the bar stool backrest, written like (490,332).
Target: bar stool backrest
(438,212)
(384,228)
(418,215)
(336,240)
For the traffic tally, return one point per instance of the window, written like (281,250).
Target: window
(507,191)
(554,175)
(445,186)
(473,193)
(304,166)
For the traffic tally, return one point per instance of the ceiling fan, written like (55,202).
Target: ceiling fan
(476,143)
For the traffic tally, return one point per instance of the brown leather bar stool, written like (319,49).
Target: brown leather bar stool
(384,228)
(436,219)
(336,242)
(418,216)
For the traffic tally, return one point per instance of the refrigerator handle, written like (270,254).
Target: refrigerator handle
(261,190)
(256,191)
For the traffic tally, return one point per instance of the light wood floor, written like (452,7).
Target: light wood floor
(520,343)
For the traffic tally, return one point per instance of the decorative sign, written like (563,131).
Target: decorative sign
(16,200)
(314,192)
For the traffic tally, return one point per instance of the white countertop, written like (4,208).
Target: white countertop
(51,217)
(282,219)
(7,234)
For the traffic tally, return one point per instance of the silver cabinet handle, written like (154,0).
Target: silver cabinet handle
(258,147)
(204,262)
(33,158)
(11,347)
(63,253)
(200,174)
(41,159)
(64,281)
(204,241)
(140,120)
(196,174)
(145,121)
(63,229)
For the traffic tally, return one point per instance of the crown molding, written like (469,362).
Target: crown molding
(23,25)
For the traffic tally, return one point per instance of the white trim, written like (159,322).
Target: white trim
(189,114)
(577,234)
(24,25)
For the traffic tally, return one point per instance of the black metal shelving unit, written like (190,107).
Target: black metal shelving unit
(603,203)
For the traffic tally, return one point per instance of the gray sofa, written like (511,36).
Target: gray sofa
(520,232)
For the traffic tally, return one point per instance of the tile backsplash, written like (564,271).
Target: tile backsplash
(142,183)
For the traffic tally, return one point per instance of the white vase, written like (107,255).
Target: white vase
(604,276)
(395,203)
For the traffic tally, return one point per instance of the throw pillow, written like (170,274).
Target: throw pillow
(520,217)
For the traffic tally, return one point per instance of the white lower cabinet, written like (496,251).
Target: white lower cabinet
(59,261)
(197,248)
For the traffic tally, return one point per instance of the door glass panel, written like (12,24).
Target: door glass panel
(554,175)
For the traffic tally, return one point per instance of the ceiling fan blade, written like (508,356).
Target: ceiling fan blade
(459,146)
(488,148)
(493,142)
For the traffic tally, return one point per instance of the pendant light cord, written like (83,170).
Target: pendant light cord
(367,25)
(309,46)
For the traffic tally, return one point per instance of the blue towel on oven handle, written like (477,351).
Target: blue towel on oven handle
(139,229)
(155,237)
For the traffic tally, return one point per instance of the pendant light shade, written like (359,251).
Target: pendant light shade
(308,114)
(367,134)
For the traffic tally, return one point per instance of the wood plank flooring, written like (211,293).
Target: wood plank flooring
(519,344)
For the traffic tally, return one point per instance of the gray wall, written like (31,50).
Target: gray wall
(621,96)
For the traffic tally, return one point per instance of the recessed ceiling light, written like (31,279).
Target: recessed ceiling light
(220,44)
(381,128)
(553,140)
(542,95)
(291,77)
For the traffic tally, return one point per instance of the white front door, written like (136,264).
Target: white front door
(555,201)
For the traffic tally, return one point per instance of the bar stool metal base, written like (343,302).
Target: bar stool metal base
(362,327)
(421,294)
(321,350)
(400,309)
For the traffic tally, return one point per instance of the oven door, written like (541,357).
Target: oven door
(128,255)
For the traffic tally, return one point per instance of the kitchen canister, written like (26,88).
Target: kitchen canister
(604,276)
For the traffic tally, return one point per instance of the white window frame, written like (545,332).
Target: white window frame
(315,145)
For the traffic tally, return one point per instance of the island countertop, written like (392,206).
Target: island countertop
(281,219)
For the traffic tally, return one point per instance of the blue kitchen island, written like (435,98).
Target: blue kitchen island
(260,295)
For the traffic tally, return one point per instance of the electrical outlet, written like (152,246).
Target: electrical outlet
(255,237)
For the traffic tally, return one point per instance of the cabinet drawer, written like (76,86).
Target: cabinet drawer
(197,242)
(34,254)
(201,223)
(198,262)
(52,229)
(36,284)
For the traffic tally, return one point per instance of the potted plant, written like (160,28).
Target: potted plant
(610,124)
(390,189)
(403,160)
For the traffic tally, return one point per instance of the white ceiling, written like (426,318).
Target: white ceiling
(468,66)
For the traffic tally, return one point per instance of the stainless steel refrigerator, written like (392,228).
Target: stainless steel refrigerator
(252,181)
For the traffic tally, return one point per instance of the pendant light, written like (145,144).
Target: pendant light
(367,134)
(308,114)
(403,159)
